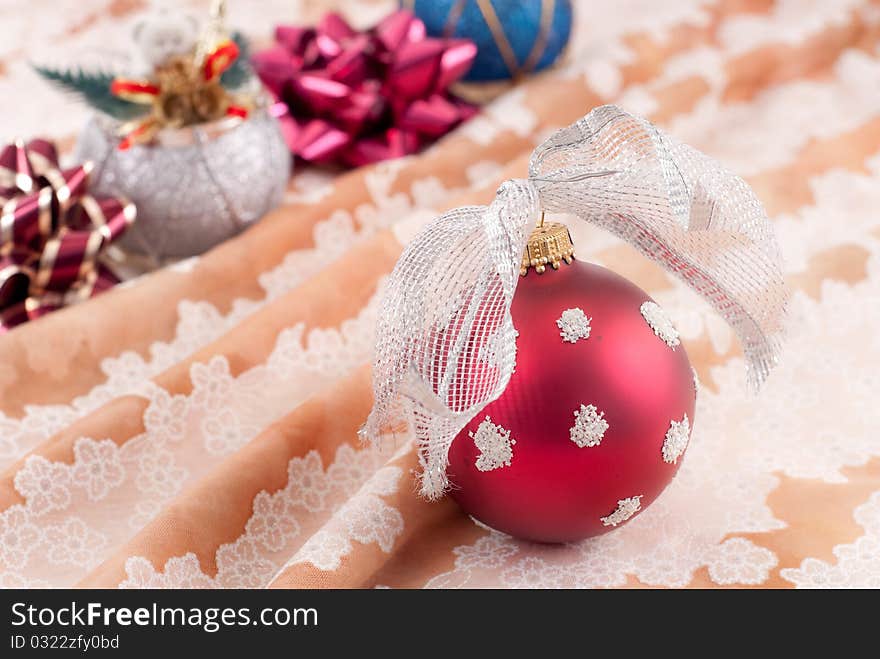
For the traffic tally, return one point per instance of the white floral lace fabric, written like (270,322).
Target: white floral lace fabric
(83,502)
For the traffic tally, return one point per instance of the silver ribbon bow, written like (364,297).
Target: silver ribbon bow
(446,346)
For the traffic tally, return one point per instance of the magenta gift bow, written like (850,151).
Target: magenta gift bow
(51,233)
(355,98)
(446,345)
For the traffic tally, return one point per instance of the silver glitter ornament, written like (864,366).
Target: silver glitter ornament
(194,187)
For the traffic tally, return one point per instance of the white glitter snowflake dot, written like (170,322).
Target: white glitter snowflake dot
(574,324)
(676,441)
(495,445)
(589,426)
(626,508)
(659,322)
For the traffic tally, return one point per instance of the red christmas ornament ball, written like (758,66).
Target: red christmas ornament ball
(594,421)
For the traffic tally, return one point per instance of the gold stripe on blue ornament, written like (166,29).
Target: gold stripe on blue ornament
(513,37)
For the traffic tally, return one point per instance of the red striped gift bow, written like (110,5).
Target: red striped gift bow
(52,233)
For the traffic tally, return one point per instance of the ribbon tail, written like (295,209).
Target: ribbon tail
(446,343)
(136,91)
(219,59)
(237,111)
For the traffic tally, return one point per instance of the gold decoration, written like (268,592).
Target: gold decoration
(187,88)
(549,244)
(186,97)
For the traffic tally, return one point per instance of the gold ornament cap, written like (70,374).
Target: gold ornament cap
(550,244)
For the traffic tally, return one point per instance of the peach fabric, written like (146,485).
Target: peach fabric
(196,427)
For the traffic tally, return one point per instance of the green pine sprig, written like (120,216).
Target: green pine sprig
(93,87)
(240,71)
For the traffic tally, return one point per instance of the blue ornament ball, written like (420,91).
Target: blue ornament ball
(520,21)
